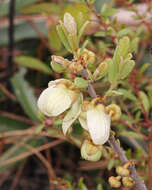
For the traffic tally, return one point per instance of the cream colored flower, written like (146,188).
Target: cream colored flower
(57,98)
(96,122)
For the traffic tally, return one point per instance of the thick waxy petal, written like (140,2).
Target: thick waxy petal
(99,126)
(72,114)
(54,101)
(83,121)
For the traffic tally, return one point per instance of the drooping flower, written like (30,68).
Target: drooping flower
(94,119)
(58,97)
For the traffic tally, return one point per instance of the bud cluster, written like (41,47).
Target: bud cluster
(123,176)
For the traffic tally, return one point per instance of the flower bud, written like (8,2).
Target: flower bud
(114,112)
(57,98)
(70,24)
(91,152)
(60,60)
(59,64)
(87,56)
(115,181)
(75,67)
(120,170)
(128,182)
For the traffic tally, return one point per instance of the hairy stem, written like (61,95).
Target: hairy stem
(112,141)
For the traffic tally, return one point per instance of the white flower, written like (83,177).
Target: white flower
(97,123)
(57,98)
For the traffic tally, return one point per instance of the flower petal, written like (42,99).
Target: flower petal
(54,101)
(72,114)
(83,122)
(98,125)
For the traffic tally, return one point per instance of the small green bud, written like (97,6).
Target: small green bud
(115,181)
(80,82)
(59,64)
(128,182)
(91,152)
(57,68)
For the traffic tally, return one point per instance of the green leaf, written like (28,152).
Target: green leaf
(126,68)
(134,45)
(111,164)
(81,185)
(99,187)
(120,53)
(84,46)
(54,40)
(16,152)
(107,11)
(57,67)
(25,95)
(145,101)
(63,38)
(33,63)
(100,34)
(80,12)
(82,29)
(131,134)
(39,129)
(80,82)
(128,94)
(8,124)
(143,68)
(124,32)
(47,8)
(4,6)
(121,49)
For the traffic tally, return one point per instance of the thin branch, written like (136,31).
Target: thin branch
(112,141)
(30,153)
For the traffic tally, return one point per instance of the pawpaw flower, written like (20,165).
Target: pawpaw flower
(58,97)
(94,119)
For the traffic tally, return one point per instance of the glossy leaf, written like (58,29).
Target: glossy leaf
(145,101)
(63,38)
(25,95)
(33,63)
(80,82)
(126,68)
(44,7)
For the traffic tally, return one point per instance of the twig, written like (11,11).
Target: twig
(17,177)
(112,141)
(46,164)
(27,154)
